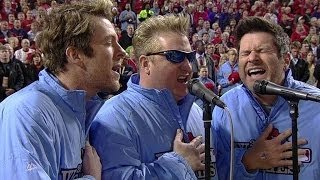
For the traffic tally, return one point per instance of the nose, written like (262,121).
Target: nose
(253,56)
(119,52)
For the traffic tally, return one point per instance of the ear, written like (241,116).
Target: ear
(145,64)
(74,56)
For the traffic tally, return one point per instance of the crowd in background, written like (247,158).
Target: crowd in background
(211,36)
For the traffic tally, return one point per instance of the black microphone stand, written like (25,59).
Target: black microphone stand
(207,117)
(294,114)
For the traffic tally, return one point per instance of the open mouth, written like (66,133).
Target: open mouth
(116,67)
(256,71)
(183,79)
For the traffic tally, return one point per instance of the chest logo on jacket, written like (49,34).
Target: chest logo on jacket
(306,158)
(72,173)
(68,174)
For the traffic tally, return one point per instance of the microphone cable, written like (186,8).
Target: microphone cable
(231,170)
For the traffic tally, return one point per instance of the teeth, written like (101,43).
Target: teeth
(255,71)
(183,79)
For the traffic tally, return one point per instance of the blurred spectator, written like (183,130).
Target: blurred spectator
(155,8)
(21,54)
(4,32)
(299,33)
(205,80)
(145,13)
(222,60)
(202,60)
(206,29)
(34,31)
(167,8)
(126,37)
(14,43)
(200,13)
(194,39)
(312,31)
(272,13)
(314,23)
(224,39)
(21,16)
(314,46)
(115,13)
(132,59)
(213,15)
(32,66)
(53,5)
(11,19)
(7,9)
(298,66)
(11,75)
(316,13)
(305,48)
(205,38)
(232,24)
(26,24)
(138,6)
(118,31)
(17,30)
(125,72)
(126,17)
(216,28)
(286,19)
(311,64)
(211,51)
(228,76)
(302,20)
(176,9)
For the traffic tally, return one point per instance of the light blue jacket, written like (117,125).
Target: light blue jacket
(250,120)
(43,131)
(133,134)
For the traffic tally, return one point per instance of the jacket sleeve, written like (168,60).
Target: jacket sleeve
(121,160)
(221,138)
(27,149)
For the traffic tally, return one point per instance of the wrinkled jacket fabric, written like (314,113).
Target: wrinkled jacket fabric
(43,131)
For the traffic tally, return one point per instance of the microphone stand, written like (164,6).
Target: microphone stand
(294,114)
(207,117)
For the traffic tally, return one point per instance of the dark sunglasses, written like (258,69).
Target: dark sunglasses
(176,56)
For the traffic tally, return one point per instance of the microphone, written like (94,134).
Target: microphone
(267,87)
(196,88)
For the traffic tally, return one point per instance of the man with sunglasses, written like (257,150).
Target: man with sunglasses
(153,130)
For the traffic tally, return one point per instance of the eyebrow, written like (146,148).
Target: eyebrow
(110,37)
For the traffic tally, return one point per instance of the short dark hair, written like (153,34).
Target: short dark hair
(258,24)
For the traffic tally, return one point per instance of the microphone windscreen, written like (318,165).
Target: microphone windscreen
(259,86)
(235,76)
(209,86)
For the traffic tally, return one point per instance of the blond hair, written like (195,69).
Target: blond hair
(145,39)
